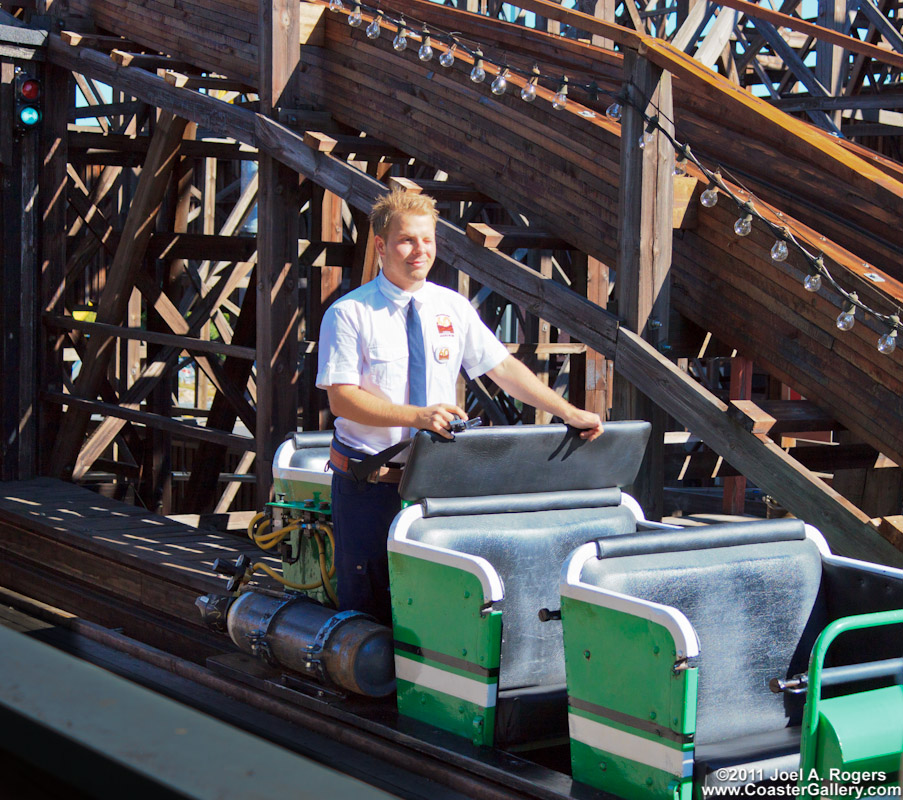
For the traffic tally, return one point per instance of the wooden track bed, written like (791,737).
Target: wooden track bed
(113,563)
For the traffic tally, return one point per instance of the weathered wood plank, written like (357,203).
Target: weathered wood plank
(847,529)
(179,429)
(141,335)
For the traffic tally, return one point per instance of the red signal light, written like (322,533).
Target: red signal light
(30,89)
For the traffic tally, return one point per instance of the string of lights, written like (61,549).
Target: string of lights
(817,271)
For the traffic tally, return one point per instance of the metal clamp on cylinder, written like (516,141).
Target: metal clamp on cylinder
(347,648)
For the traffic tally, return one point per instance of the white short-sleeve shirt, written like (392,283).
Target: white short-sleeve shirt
(363,342)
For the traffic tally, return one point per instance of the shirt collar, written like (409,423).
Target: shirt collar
(398,297)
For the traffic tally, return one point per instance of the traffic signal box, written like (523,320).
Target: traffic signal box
(28,98)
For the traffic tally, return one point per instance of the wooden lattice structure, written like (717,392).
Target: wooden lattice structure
(130,242)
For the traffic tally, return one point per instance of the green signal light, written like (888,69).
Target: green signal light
(29,115)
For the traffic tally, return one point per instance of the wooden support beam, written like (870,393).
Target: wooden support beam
(443,191)
(19,267)
(52,275)
(96,41)
(121,278)
(231,490)
(734,497)
(323,286)
(209,460)
(644,248)
(149,61)
(187,343)
(279,54)
(198,246)
(596,371)
(278,312)
(513,237)
(778,417)
(320,142)
(181,430)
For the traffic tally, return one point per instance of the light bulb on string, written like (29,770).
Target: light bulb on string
(400,42)
(613,112)
(478,74)
(425,53)
(373,29)
(680,166)
(646,136)
(779,251)
(888,343)
(560,100)
(448,57)
(500,84)
(743,225)
(812,282)
(847,318)
(528,93)
(355,18)
(710,196)
(336,5)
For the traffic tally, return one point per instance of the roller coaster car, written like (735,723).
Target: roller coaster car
(474,563)
(687,658)
(534,607)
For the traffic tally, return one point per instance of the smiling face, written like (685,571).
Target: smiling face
(408,250)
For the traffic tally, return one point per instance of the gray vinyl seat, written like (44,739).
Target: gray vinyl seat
(527,549)
(757,609)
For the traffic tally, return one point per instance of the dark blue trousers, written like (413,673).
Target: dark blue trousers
(362,514)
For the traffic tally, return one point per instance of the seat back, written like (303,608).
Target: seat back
(756,607)
(527,549)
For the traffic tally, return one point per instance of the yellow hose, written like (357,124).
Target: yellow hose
(260,566)
(324,572)
(270,540)
(253,524)
(327,528)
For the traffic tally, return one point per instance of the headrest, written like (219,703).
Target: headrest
(704,537)
(513,503)
(301,440)
(522,459)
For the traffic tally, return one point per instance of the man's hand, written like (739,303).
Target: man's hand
(358,405)
(588,423)
(438,417)
(512,376)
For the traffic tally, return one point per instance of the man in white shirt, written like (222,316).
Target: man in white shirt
(380,396)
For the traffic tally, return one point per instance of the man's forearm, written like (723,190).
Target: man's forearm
(514,378)
(517,380)
(358,405)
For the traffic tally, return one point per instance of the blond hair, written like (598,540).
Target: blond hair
(400,202)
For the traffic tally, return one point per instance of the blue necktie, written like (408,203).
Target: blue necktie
(416,359)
